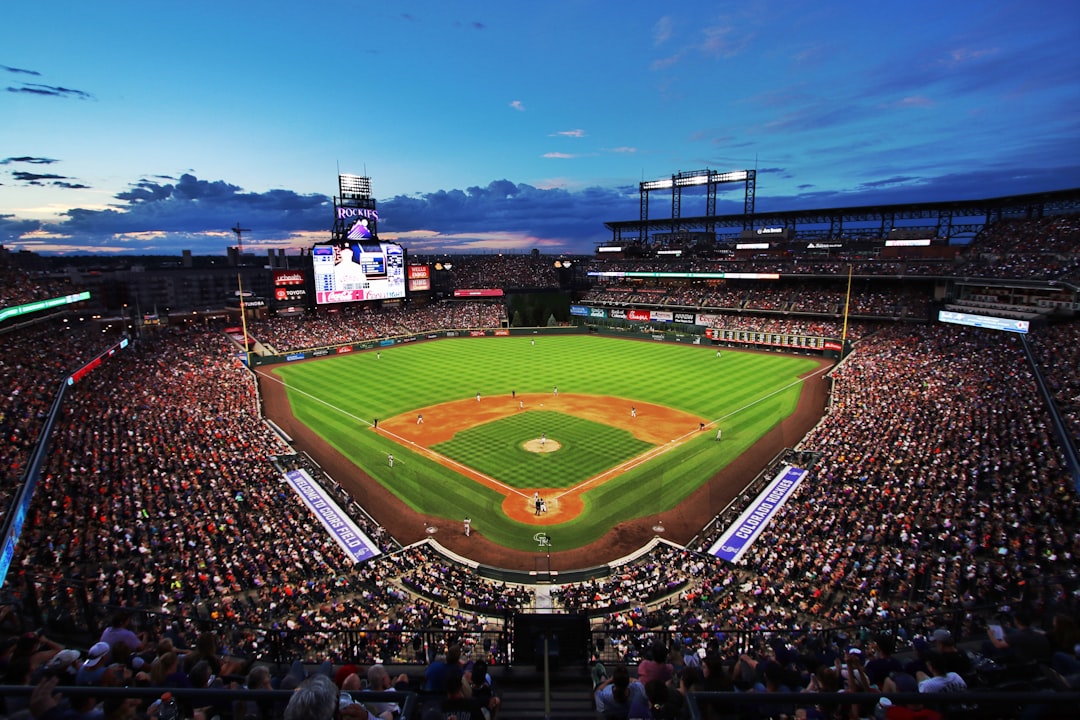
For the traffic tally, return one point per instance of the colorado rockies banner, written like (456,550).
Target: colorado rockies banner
(344,531)
(738,538)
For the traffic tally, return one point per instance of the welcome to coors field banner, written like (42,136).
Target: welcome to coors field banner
(341,527)
(738,538)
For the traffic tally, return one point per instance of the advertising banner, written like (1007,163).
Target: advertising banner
(639,315)
(479,292)
(738,538)
(342,529)
(283,278)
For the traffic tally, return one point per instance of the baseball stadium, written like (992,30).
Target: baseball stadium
(836,456)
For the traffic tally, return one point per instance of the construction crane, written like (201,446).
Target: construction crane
(240,238)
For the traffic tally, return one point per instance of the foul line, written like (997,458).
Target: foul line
(409,444)
(659,450)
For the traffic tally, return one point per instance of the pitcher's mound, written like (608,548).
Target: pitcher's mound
(539,447)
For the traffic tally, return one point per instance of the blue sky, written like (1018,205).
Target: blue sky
(505,126)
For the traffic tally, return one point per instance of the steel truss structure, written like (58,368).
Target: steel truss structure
(942,220)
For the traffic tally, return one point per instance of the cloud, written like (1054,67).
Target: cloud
(517,105)
(28,159)
(724,41)
(43,179)
(13,228)
(559,155)
(665,62)
(19,71)
(50,90)
(569,133)
(623,150)
(915,101)
(564,220)
(165,216)
(958,56)
(202,208)
(662,30)
(158,214)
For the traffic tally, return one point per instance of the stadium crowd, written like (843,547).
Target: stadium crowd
(505,271)
(338,326)
(811,298)
(1057,348)
(34,361)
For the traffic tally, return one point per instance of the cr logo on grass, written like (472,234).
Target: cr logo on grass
(542,539)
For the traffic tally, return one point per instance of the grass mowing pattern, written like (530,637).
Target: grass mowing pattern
(749,393)
(496,449)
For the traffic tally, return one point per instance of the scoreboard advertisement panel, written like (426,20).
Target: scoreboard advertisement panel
(419,278)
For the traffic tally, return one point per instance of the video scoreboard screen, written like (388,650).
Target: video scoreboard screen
(984,321)
(354,271)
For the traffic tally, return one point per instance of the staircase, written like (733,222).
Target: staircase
(522,692)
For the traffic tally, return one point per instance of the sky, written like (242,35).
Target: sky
(150,128)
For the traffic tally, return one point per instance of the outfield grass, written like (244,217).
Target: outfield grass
(339,396)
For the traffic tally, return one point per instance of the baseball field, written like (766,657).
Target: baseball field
(606,431)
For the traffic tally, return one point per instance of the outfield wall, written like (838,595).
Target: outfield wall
(690,334)
(325,351)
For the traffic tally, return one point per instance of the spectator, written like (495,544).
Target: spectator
(455,703)
(479,686)
(93,667)
(119,632)
(937,679)
(882,663)
(615,695)
(1022,644)
(379,681)
(316,698)
(656,666)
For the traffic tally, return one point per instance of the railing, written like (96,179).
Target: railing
(968,705)
(408,701)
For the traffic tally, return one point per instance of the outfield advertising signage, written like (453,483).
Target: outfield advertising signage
(685,318)
(597,312)
(579,310)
